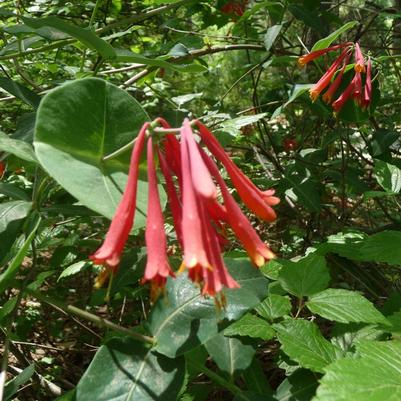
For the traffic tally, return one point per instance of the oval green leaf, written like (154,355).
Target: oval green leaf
(77,125)
(189,319)
(125,370)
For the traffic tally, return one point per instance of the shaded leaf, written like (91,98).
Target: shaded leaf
(274,306)
(188,319)
(13,385)
(251,326)
(85,36)
(271,36)
(127,56)
(12,215)
(77,125)
(20,91)
(306,276)
(303,342)
(375,376)
(124,369)
(231,355)
(388,176)
(19,148)
(344,306)
(12,191)
(11,271)
(300,386)
(75,268)
(328,40)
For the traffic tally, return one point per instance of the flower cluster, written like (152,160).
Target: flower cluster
(236,7)
(201,207)
(332,78)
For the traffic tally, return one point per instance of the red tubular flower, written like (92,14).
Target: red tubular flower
(234,7)
(193,249)
(201,179)
(175,205)
(157,267)
(255,199)
(2,168)
(214,279)
(340,101)
(328,95)
(256,249)
(357,94)
(367,93)
(306,58)
(359,60)
(109,253)
(327,76)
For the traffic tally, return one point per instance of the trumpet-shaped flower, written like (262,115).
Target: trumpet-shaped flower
(307,58)
(109,253)
(359,60)
(157,266)
(325,80)
(253,197)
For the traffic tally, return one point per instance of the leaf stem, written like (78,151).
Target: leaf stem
(119,151)
(100,322)
(221,381)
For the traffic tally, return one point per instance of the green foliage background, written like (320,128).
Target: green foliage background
(320,323)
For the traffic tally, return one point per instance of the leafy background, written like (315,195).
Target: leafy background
(320,323)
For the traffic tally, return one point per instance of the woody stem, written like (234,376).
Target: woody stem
(100,322)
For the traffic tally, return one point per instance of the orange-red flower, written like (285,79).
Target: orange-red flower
(252,196)
(359,60)
(367,94)
(325,80)
(354,90)
(109,254)
(157,266)
(307,58)
(201,205)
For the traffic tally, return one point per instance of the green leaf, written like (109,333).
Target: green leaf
(296,91)
(46,32)
(7,307)
(300,386)
(13,385)
(77,125)
(188,319)
(346,336)
(230,354)
(126,56)
(252,396)
(12,215)
(20,92)
(303,342)
(85,36)
(274,306)
(251,326)
(344,306)
(375,376)
(306,276)
(395,321)
(12,270)
(256,379)
(19,148)
(305,191)
(75,268)
(12,191)
(388,176)
(381,247)
(126,370)
(328,40)
(271,36)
